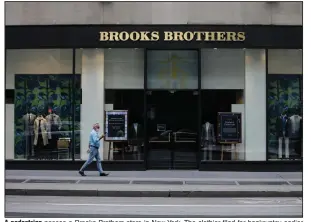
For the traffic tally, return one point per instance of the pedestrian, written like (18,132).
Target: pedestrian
(94,144)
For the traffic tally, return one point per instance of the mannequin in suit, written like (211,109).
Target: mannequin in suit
(295,132)
(54,124)
(136,138)
(40,131)
(281,130)
(28,120)
(208,139)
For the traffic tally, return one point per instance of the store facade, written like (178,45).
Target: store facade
(172,80)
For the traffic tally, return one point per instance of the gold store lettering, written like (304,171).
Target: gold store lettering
(172,36)
(126,36)
(206,36)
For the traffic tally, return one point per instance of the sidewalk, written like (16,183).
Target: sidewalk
(155,184)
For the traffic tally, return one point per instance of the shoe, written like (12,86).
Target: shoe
(82,173)
(103,174)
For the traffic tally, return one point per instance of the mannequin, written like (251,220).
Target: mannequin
(54,125)
(208,139)
(281,127)
(136,138)
(28,120)
(295,132)
(40,131)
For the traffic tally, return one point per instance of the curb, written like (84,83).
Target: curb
(154,193)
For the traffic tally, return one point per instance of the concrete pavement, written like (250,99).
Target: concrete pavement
(155,184)
(100,207)
(193,174)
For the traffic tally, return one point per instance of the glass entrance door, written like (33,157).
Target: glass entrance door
(172,109)
(172,129)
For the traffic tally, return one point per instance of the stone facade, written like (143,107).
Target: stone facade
(242,13)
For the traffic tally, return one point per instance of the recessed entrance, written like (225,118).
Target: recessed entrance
(172,129)
(172,103)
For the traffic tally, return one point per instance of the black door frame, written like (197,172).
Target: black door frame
(146,142)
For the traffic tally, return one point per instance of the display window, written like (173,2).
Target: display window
(44,103)
(130,146)
(124,93)
(43,119)
(284,99)
(223,84)
(215,102)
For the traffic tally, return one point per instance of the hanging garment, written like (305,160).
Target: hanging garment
(40,130)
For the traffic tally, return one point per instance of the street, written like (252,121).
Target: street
(95,207)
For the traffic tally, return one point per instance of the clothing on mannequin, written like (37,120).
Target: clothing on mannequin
(294,126)
(282,134)
(136,139)
(136,132)
(28,120)
(53,126)
(208,140)
(295,133)
(40,131)
(286,144)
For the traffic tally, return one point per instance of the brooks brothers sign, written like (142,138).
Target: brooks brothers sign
(172,36)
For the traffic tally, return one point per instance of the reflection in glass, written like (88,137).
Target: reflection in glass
(172,69)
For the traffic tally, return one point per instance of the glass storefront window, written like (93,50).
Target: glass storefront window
(132,101)
(213,102)
(172,69)
(52,110)
(124,90)
(284,95)
(41,114)
(172,108)
(223,83)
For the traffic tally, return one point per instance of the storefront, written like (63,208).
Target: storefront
(172,80)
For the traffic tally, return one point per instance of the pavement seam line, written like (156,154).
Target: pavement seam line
(26,181)
(152,193)
(282,177)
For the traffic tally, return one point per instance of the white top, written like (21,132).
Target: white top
(207,126)
(295,123)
